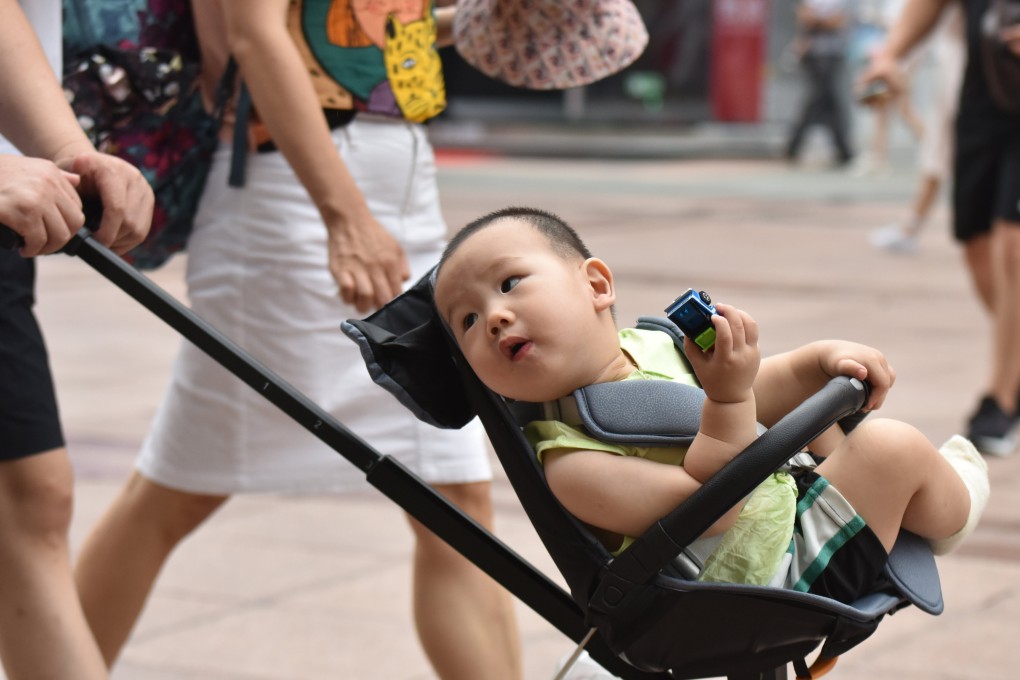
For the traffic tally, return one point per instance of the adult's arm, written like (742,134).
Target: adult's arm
(36,118)
(444,25)
(34,114)
(915,23)
(367,262)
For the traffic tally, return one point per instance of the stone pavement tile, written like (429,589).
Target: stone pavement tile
(317,587)
(974,637)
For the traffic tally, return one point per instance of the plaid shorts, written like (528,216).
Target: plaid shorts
(834,553)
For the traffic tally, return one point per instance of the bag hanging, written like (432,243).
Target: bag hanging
(133,84)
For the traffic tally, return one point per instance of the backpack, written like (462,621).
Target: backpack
(131,75)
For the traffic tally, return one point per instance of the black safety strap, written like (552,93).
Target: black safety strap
(239,150)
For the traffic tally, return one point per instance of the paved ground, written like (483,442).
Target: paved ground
(317,587)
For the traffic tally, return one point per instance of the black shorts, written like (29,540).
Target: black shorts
(29,421)
(986,176)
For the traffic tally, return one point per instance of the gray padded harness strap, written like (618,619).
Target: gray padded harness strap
(635,412)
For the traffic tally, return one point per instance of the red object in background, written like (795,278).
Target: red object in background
(738,59)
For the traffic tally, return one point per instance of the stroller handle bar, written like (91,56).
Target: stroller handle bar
(10,239)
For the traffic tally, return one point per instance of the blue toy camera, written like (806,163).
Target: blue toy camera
(692,312)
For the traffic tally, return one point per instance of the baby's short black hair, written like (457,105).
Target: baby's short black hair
(564,240)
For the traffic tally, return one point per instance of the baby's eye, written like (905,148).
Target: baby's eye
(509,283)
(469,320)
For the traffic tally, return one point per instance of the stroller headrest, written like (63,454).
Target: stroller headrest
(405,347)
(407,351)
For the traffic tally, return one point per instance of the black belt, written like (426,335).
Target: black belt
(335,118)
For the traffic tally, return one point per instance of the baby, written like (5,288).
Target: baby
(532,312)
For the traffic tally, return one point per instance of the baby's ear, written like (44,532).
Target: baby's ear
(600,277)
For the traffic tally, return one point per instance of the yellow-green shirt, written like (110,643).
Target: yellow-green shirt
(752,549)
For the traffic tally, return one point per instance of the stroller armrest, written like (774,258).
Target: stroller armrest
(670,535)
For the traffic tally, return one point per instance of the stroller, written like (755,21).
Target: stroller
(646,604)
(638,615)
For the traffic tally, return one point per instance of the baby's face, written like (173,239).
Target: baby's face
(520,312)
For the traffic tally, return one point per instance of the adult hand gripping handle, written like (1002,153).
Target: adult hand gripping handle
(12,240)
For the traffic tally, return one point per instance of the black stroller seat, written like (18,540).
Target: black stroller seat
(639,605)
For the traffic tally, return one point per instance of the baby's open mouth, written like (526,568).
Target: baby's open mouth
(513,348)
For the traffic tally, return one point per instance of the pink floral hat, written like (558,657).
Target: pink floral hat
(548,44)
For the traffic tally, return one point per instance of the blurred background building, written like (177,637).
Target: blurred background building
(718,77)
(706,61)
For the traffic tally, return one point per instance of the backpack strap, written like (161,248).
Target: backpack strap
(239,151)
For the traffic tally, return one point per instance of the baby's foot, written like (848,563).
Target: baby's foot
(973,470)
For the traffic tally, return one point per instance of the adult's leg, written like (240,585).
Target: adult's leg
(903,238)
(878,155)
(1004,247)
(895,478)
(809,107)
(126,550)
(43,633)
(830,103)
(977,253)
(986,195)
(905,104)
(465,620)
(924,201)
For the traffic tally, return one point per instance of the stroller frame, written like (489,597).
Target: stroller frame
(620,599)
(388,475)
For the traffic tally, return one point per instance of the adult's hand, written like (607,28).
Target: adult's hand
(39,201)
(124,193)
(367,262)
(885,68)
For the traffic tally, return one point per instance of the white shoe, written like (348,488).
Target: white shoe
(894,240)
(973,470)
(866,166)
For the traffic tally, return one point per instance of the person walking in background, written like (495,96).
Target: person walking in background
(878,18)
(340,207)
(936,153)
(43,632)
(821,42)
(986,200)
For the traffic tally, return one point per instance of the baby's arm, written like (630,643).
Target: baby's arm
(623,495)
(785,380)
(727,373)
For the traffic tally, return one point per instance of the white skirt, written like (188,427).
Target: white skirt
(257,271)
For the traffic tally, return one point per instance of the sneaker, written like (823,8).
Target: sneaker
(992,430)
(894,240)
(973,470)
(865,165)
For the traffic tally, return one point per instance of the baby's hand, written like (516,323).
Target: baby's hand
(727,370)
(840,357)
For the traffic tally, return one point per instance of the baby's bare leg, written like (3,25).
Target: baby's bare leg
(894,477)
